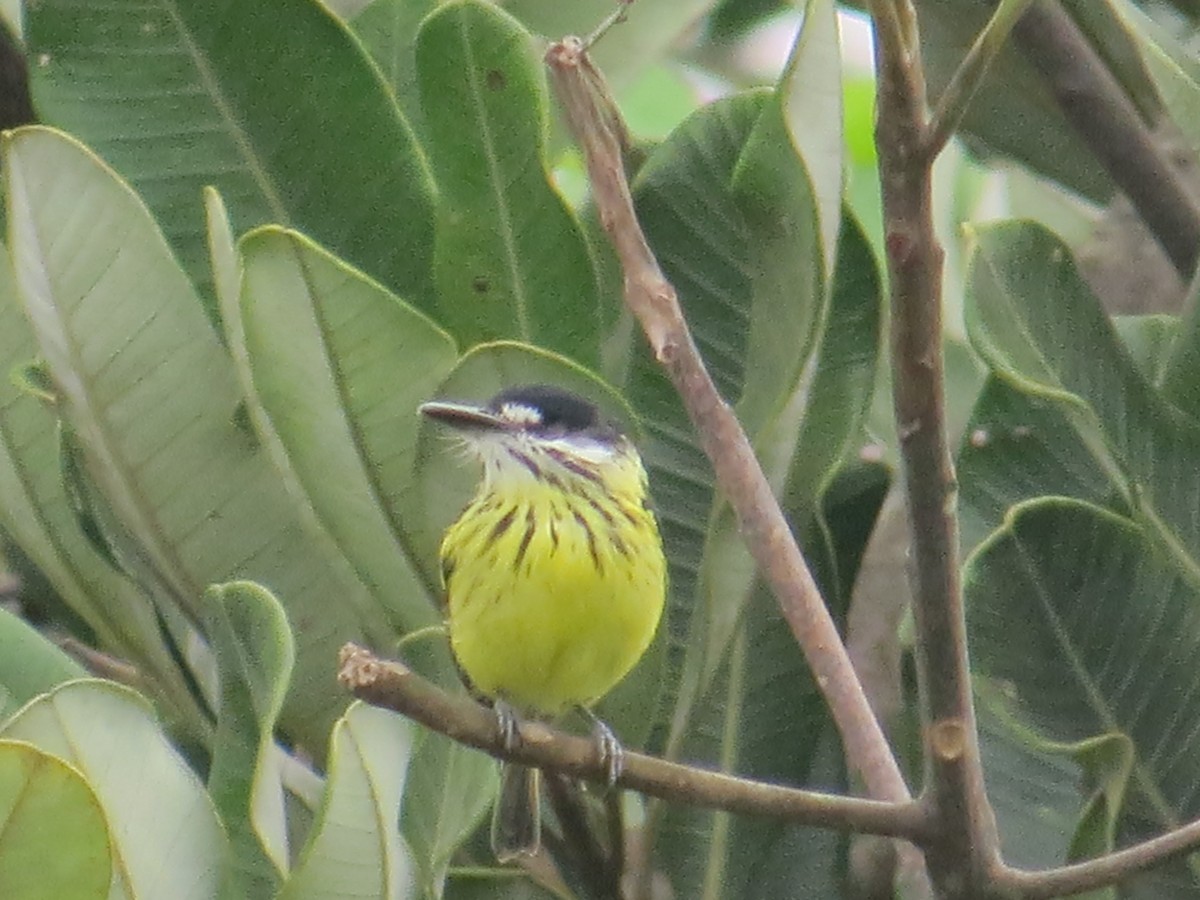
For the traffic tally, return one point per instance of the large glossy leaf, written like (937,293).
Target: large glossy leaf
(510,258)
(152,399)
(166,838)
(45,803)
(254,654)
(1109,631)
(340,366)
(271,100)
(355,848)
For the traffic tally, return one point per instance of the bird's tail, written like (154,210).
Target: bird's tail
(516,818)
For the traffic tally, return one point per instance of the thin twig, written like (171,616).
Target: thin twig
(1100,872)
(393,686)
(596,126)
(970,73)
(967,848)
(1097,107)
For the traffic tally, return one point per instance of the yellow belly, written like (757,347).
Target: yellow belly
(545,611)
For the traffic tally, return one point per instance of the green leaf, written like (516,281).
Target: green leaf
(1015,91)
(448,790)
(388,30)
(37,514)
(355,848)
(339,367)
(29,664)
(254,653)
(1035,794)
(150,396)
(1109,632)
(272,101)
(811,93)
(1019,447)
(42,796)
(1068,354)
(110,735)
(510,259)
(746,724)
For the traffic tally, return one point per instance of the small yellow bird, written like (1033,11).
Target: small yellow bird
(554,573)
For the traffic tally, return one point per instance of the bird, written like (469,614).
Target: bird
(554,574)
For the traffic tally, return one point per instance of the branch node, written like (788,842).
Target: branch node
(948,739)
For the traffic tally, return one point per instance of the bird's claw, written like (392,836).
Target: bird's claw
(612,754)
(508,725)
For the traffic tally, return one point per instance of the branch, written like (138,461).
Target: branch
(967,846)
(596,125)
(1094,103)
(393,686)
(1100,872)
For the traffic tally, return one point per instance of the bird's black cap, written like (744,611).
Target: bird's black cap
(558,409)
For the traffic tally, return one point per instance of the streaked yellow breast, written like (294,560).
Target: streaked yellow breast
(554,590)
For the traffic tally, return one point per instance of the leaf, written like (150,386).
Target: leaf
(763,717)
(388,30)
(1110,629)
(29,664)
(36,513)
(121,334)
(254,654)
(179,96)
(1068,354)
(166,842)
(42,796)
(355,848)
(339,367)
(448,790)
(1014,90)
(510,261)
(1019,447)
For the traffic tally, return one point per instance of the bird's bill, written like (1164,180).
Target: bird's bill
(461,415)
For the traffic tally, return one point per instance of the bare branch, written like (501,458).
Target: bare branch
(967,846)
(596,125)
(1100,872)
(393,686)
(1094,103)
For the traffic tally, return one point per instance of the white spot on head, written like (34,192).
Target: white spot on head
(521,414)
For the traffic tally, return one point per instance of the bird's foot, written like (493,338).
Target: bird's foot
(612,754)
(508,724)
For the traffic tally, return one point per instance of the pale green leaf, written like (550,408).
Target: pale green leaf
(53,838)
(355,847)
(166,838)
(153,401)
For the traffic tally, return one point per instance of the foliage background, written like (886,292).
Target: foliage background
(253,237)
